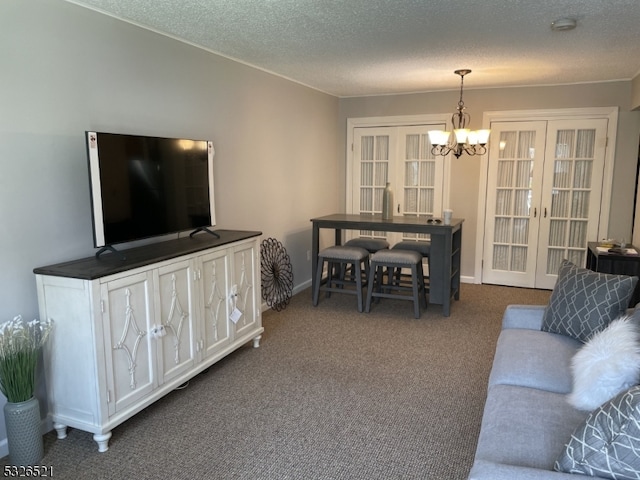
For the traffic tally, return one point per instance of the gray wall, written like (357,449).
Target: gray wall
(66,69)
(465,171)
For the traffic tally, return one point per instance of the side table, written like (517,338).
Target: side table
(616,263)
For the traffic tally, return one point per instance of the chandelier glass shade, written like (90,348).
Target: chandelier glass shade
(463,140)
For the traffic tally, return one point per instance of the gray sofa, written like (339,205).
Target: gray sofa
(527,420)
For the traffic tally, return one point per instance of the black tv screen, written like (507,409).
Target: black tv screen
(143,186)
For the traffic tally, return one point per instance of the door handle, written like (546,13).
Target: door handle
(535,212)
(545,212)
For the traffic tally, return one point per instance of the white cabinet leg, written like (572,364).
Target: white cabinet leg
(61,430)
(256,341)
(102,441)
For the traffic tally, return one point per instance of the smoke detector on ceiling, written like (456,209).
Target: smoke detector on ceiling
(563,24)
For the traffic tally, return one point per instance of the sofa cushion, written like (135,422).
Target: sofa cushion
(609,363)
(525,426)
(584,302)
(607,443)
(535,359)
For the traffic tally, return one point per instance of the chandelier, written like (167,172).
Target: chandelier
(463,140)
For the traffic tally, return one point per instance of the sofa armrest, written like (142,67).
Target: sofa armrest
(523,316)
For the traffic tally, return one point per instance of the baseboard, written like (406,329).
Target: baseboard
(297,289)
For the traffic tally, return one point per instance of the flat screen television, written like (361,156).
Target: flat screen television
(143,187)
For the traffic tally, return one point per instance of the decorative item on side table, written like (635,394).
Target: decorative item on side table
(276,274)
(20,345)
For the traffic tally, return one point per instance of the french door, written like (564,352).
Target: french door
(543,198)
(400,155)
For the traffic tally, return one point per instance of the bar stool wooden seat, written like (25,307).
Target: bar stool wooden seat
(339,258)
(392,259)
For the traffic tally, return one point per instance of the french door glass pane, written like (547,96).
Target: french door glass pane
(522,200)
(366,148)
(428,173)
(505,173)
(500,257)
(526,144)
(520,231)
(518,259)
(411,173)
(580,204)
(366,174)
(554,259)
(502,229)
(564,143)
(562,174)
(582,174)
(503,202)
(427,199)
(382,147)
(577,234)
(586,143)
(366,199)
(507,144)
(413,147)
(559,204)
(577,257)
(381,173)
(557,231)
(523,178)
(411,200)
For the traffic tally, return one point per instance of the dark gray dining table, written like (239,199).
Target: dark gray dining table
(444,259)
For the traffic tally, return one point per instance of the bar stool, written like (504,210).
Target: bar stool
(392,259)
(423,247)
(339,258)
(372,245)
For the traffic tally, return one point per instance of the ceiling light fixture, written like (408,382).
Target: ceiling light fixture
(563,24)
(463,140)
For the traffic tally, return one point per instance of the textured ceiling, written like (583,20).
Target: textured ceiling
(374,47)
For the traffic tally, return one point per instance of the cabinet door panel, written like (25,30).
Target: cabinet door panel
(128,314)
(246,284)
(216,330)
(176,312)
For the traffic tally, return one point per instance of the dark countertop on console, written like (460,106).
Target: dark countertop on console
(90,268)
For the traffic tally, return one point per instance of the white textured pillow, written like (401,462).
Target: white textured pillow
(609,363)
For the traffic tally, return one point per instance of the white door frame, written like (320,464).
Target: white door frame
(610,113)
(393,121)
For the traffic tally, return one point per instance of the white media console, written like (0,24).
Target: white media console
(127,331)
